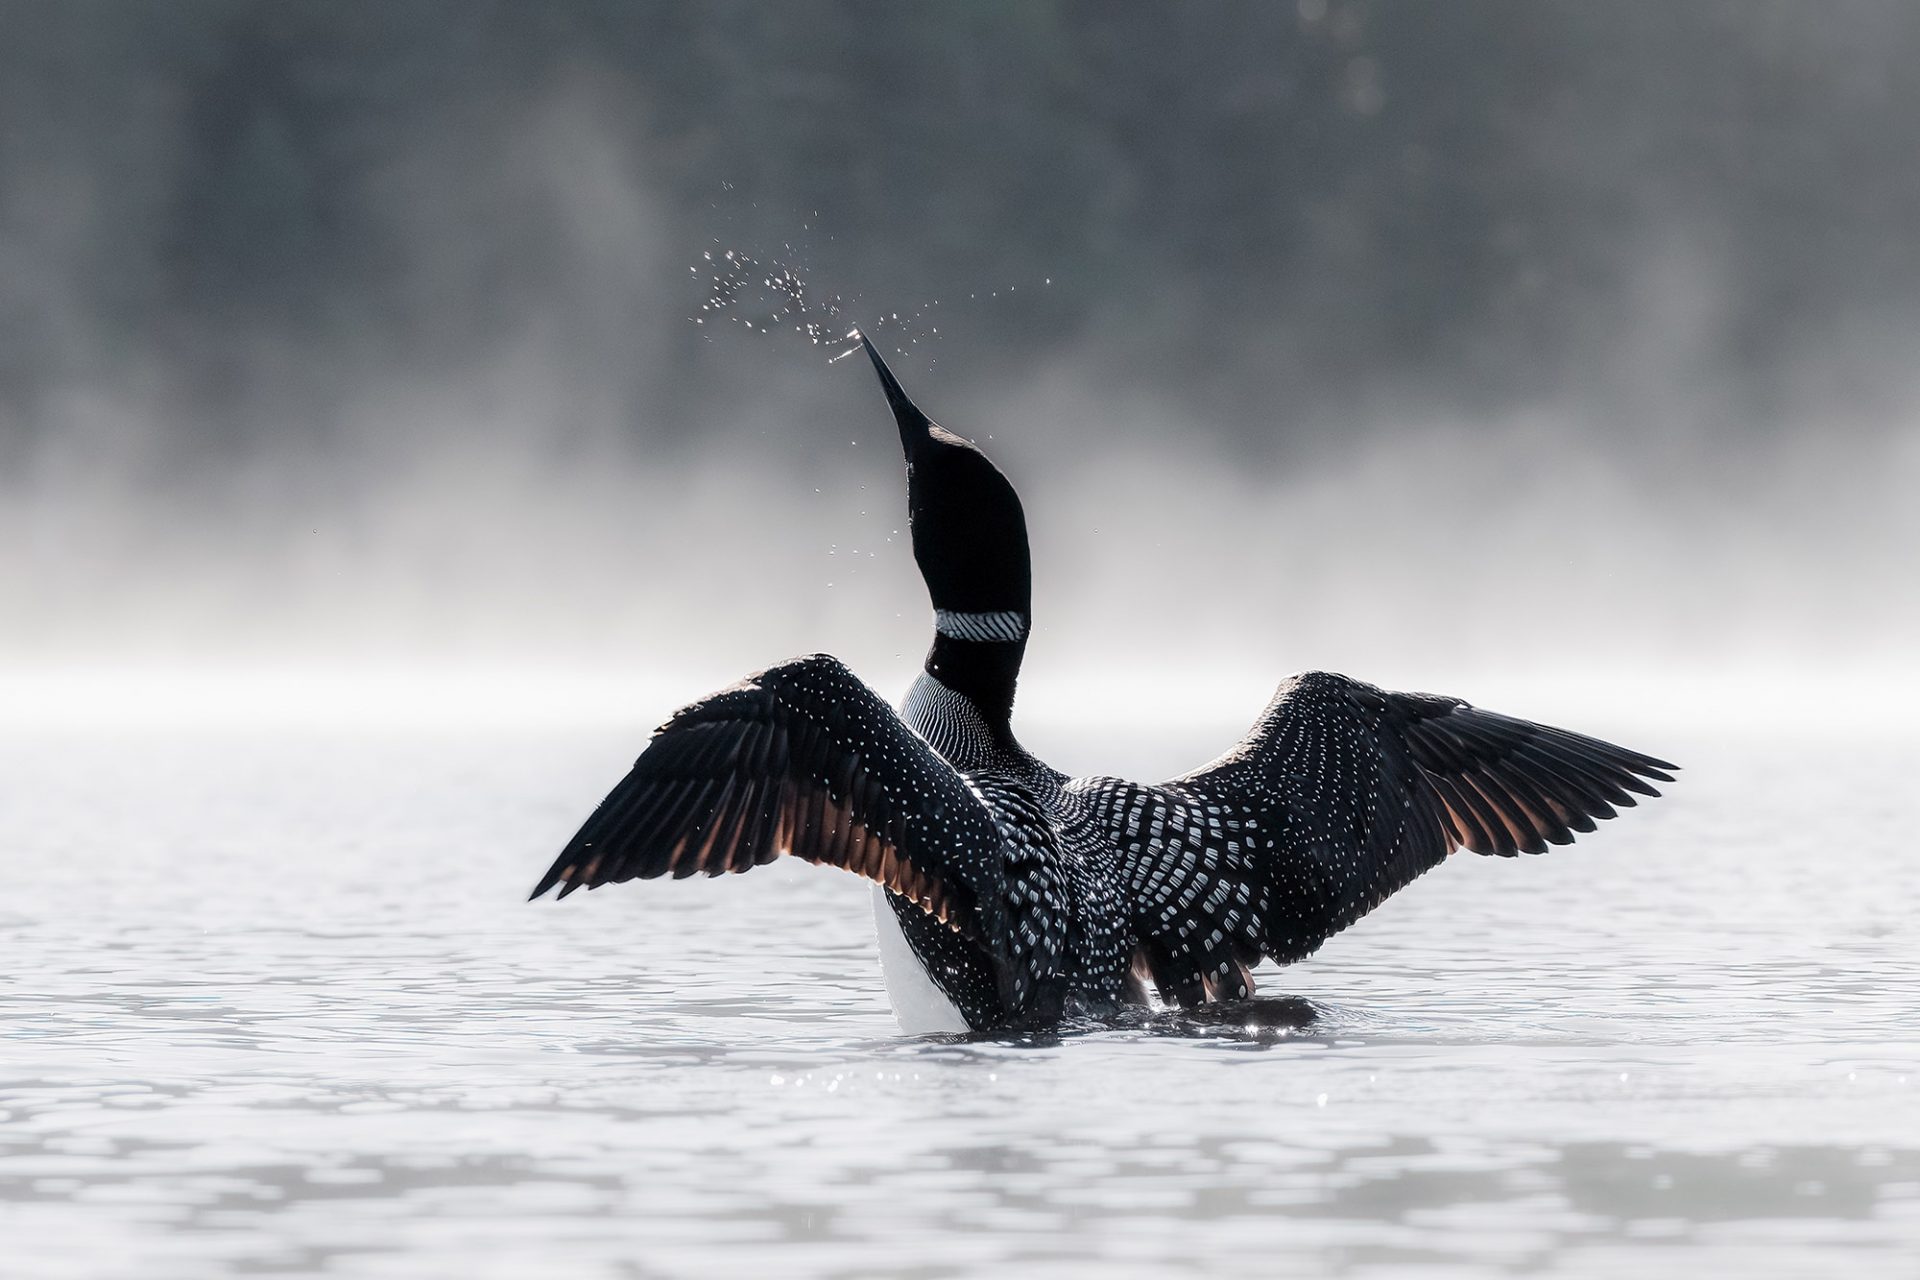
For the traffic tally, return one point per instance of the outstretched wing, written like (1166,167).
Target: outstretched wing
(800,759)
(1340,795)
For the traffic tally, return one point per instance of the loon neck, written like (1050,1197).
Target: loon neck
(970,541)
(957,727)
(983,671)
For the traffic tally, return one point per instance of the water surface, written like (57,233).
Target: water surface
(273,1004)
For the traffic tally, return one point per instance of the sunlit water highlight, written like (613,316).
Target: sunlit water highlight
(274,1004)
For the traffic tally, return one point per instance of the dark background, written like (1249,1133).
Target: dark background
(1463,340)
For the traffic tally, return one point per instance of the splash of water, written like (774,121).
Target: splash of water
(770,293)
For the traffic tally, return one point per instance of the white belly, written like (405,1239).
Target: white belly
(921,1008)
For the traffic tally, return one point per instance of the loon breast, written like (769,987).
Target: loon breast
(919,1006)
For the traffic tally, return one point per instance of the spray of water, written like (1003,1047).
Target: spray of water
(775,293)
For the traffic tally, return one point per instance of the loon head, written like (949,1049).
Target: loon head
(970,541)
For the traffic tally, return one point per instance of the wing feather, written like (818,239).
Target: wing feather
(801,759)
(1340,795)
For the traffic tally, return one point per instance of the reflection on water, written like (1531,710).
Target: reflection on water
(278,1007)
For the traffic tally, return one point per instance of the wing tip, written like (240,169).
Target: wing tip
(560,871)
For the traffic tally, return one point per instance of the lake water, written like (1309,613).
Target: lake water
(274,1005)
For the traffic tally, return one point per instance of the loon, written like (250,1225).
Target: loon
(1010,896)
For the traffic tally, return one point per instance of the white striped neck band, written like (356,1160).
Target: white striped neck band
(1008,625)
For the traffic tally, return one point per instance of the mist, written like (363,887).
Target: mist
(349,359)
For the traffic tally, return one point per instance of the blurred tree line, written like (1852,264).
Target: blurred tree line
(247,202)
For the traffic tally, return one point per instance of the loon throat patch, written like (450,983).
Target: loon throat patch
(1008,625)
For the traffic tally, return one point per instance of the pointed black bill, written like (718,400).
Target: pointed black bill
(913,423)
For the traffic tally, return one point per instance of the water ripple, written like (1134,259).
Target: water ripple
(279,1007)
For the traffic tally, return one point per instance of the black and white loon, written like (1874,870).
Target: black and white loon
(1015,895)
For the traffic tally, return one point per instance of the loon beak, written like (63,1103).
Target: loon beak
(913,423)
